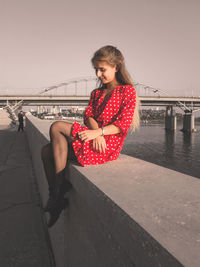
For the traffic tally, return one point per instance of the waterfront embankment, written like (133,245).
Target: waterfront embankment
(125,213)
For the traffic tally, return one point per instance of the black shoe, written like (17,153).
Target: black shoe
(55,213)
(55,196)
(65,187)
(57,193)
(51,203)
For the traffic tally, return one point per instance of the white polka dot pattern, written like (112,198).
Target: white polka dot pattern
(115,108)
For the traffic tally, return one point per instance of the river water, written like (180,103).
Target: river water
(174,150)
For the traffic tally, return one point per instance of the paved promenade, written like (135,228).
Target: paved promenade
(23,235)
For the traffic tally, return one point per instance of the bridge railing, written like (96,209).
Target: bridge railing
(82,86)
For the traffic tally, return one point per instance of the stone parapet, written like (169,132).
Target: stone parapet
(124,213)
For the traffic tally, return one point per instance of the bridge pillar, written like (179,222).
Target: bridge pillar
(170,119)
(38,109)
(188,122)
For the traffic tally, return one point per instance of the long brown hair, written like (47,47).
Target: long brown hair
(113,56)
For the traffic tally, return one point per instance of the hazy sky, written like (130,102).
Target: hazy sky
(44,42)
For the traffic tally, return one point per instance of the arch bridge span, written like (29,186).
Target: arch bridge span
(187,103)
(76,92)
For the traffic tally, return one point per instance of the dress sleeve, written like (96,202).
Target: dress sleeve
(124,117)
(89,110)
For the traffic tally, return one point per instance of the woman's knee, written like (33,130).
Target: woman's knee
(60,127)
(55,126)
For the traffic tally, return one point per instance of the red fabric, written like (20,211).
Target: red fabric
(115,108)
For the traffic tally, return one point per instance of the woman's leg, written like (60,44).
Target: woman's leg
(54,156)
(60,134)
(48,163)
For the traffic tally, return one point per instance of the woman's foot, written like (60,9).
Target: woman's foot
(65,187)
(56,195)
(55,213)
(50,204)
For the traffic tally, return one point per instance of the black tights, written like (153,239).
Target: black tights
(57,152)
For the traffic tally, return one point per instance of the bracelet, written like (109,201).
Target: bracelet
(102,131)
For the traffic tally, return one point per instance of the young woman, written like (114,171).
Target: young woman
(113,107)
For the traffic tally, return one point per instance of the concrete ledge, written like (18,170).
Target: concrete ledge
(124,213)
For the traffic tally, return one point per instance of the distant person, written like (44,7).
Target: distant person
(112,109)
(21,121)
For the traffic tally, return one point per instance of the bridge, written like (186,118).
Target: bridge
(82,100)
(75,92)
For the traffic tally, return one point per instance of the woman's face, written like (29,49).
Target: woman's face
(105,72)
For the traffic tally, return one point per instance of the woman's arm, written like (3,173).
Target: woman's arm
(91,123)
(99,143)
(94,133)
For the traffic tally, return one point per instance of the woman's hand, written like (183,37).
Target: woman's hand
(89,134)
(99,144)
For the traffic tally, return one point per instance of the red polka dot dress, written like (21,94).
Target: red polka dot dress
(116,108)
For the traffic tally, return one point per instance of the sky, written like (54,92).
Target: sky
(46,42)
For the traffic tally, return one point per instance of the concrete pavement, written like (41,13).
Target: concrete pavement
(23,233)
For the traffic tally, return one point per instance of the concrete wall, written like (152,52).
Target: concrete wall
(37,133)
(124,213)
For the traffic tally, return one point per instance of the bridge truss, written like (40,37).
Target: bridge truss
(84,86)
(80,88)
